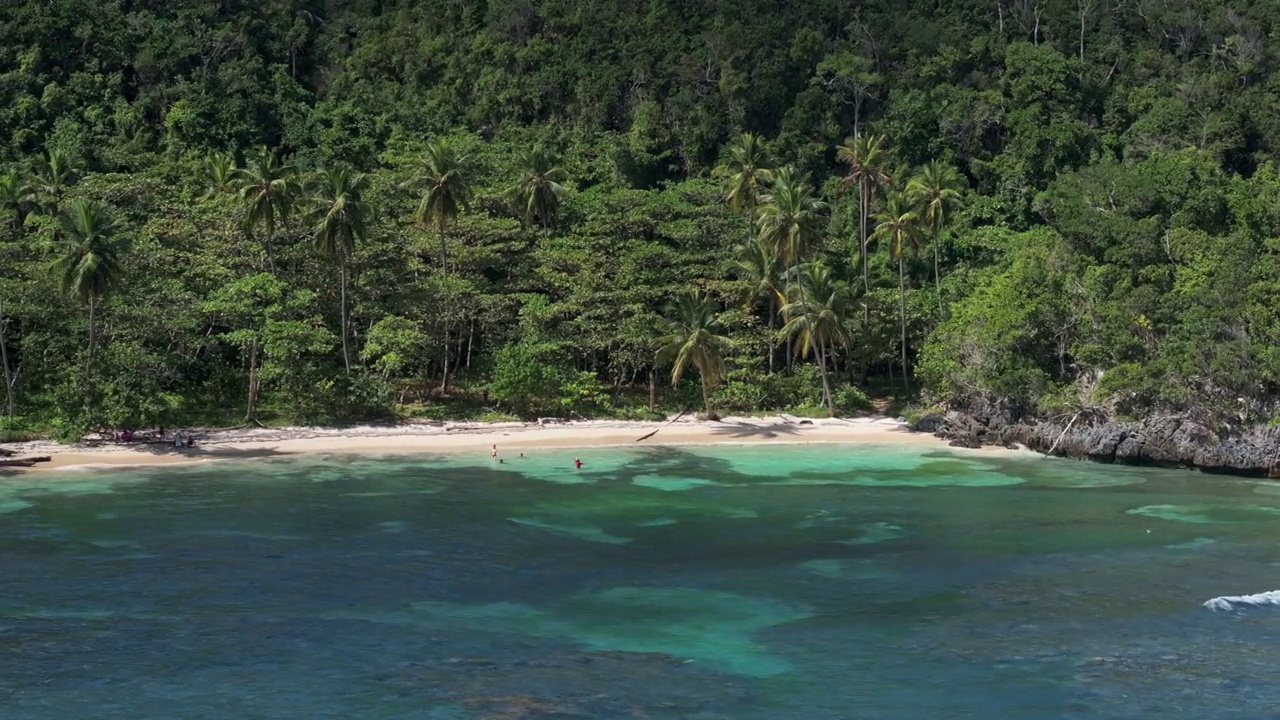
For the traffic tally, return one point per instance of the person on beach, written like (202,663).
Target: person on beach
(494,455)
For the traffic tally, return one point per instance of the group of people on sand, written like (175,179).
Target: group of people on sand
(493,455)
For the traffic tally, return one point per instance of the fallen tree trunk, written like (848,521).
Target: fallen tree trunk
(24,462)
(655,432)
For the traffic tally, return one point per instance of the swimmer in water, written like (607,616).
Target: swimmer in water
(577,463)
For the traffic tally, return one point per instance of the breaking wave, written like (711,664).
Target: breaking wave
(1241,602)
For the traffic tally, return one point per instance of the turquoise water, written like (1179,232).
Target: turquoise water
(745,583)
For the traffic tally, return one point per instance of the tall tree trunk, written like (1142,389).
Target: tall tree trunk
(88,361)
(444,383)
(937,277)
(772,322)
(346,351)
(862,224)
(271,254)
(444,271)
(826,384)
(706,396)
(8,372)
(653,389)
(902,301)
(471,334)
(864,196)
(444,252)
(251,405)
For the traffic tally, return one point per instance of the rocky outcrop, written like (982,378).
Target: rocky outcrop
(1161,441)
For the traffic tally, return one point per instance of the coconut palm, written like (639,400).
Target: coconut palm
(445,182)
(747,173)
(269,189)
(341,217)
(791,217)
(868,161)
(899,226)
(816,316)
(689,335)
(758,267)
(936,192)
(539,191)
(219,174)
(55,174)
(89,257)
(16,192)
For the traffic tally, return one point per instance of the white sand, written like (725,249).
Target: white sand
(475,437)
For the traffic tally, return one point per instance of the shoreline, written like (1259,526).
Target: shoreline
(212,446)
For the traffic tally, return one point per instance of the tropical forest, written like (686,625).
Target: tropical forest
(220,212)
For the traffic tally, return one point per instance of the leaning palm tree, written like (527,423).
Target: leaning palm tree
(15,194)
(791,217)
(899,226)
(868,161)
(935,190)
(341,218)
(269,190)
(817,317)
(445,182)
(539,191)
(218,174)
(689,335)
(54,175)
(747,173)
(760,270)
(89,257)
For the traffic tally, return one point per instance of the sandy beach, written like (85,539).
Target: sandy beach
(471,437)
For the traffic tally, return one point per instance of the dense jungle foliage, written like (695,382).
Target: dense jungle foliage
(299,210)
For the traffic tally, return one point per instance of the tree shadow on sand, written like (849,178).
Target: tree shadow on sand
(209,452)
(751,430)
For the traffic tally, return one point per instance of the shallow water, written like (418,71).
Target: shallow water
(751,583)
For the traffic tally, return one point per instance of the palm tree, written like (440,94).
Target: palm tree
(746,173)
(445,183)
(899,225)
(758,266)
(341,217)
(868,161)
(690,336)
(269,190)
(539,191)
(219,171)
(15,192)
(57,172)
(89,262)
(791,217)
(936,192)
(816,315)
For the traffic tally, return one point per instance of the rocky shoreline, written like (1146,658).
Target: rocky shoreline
(1165,441)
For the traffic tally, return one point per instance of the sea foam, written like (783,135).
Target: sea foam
(1241,602)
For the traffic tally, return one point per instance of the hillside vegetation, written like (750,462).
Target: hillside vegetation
(216,211)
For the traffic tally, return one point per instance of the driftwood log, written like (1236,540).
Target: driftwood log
(24,462)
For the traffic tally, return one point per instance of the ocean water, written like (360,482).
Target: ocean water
(744,583)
